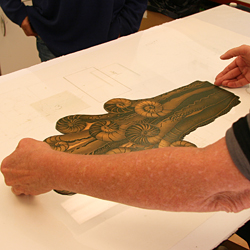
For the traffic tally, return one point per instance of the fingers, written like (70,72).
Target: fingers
(230,67)
(229,73)
(238,51)
(237,73)
(27,190)
(229,54)
(20,168)
(231,83)
(234,83)
(6,171)
(17,191)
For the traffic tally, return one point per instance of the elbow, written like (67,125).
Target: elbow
(231,202)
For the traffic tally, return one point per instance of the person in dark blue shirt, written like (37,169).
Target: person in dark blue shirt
(69,26)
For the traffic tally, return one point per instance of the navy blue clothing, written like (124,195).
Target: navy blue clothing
(238,144)
(70,25)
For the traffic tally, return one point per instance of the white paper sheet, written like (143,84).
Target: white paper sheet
(144,65)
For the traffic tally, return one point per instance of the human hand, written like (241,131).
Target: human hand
(27,27)
(237,73)
(27,169)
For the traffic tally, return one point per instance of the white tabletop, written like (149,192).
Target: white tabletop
(139,66)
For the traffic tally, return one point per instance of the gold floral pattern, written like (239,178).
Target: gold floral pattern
(133,125)
(71,124)
(149,109)
(57,144)
(106,131)
(118,105)
(119,150)
(182,144)
(143,134)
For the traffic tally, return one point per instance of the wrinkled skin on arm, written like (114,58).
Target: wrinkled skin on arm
(237,73)
(171,179)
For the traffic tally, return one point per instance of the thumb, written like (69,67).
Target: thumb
(238,51)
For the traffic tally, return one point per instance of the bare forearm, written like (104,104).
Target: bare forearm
(173,179)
